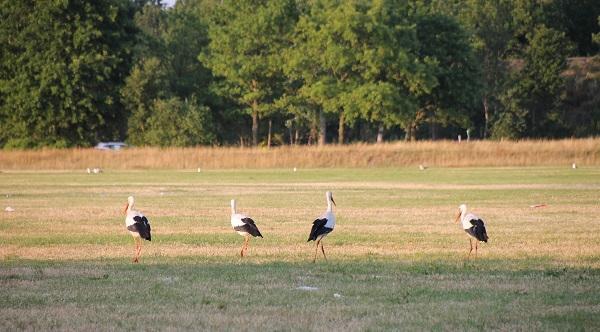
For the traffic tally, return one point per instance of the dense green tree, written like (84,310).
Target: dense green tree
(61,67)
(535,100)
(358,60)
(578,20)
(148,82)
(393,70)
(325,52)
(596,36)
(545,61)
(492,30)
(166,66)
(246,41)
(452,62)
(209,71)
(179,123)
(581,111)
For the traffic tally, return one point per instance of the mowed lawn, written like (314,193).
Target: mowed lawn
(396,258)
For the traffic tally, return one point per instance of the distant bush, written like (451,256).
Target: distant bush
(179,123)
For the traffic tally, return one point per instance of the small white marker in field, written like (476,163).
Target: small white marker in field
(199,169)
(422,167)
(336,295)
(574,166)
(307,288)
(89,171)
(295,169)
(9,209)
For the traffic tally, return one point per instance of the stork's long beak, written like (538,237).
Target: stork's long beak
(125,208)
(457,216)
(332,201)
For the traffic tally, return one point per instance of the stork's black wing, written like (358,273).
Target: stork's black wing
(479,230)
(249,227)
(317,229)
(142,226)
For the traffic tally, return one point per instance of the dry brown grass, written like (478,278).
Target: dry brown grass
(439,154)
(397,259)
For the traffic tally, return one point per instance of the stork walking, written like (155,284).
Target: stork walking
(323,226)
(473,226)
(244,226)
(138,225)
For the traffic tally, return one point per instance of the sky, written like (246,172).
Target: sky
(169,3)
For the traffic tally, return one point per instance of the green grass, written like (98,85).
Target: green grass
(396,258)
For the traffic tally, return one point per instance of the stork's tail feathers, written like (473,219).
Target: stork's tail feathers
(479,230)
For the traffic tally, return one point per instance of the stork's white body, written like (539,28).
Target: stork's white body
(236,221)
(244,226)
(236,218)
(141,231)
(473,226)
(323,225)
(330,220)
(465,220)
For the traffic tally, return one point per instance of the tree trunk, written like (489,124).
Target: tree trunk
(433,129)
(341,129)
(380,133)
(254,115)
(322,128)
(254,124)
(296,136)
(314,131)
(413,131)
(486,115)
(269,135)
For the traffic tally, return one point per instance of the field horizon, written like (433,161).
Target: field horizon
(530,153)
(396,259)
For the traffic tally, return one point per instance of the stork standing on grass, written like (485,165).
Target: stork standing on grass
(473,225)
(323,226)
(138,225)
(244,226)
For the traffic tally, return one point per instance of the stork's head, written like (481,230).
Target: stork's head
(462,210)
(329,196)
(129,204)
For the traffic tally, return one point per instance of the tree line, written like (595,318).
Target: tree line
(259,72)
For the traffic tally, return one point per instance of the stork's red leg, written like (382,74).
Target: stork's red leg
(139,248)
(316,251)
(135,258)
(471,246)
(244,246)
(323,250)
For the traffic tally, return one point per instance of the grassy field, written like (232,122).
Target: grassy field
(396,258)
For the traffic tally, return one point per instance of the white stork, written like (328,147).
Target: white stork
(244,226)
(323,225)
(473,225)
(138,225)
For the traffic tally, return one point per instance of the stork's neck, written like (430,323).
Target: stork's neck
(129,208)
(329,206)
(232,206)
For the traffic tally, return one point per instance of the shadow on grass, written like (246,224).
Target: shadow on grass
(198,292)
